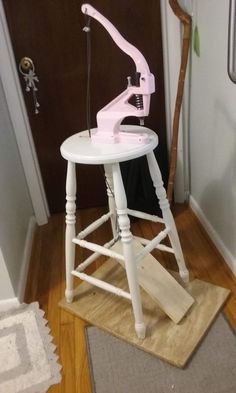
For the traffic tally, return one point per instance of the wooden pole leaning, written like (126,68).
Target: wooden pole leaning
(186,21)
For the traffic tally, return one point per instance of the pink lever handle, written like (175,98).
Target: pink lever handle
(110,117)
(121,42)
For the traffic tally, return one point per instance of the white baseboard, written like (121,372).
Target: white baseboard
(26,258)
(226,254)
(7,304)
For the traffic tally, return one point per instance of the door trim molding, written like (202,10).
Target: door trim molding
(20,123)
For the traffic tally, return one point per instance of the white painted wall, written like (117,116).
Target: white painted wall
(213,130)
(15,206)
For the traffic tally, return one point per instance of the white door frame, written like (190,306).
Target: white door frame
(20,122)
(18,114)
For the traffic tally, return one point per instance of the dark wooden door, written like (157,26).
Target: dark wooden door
(50,32)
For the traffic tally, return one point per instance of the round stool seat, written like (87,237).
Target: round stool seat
(79,148)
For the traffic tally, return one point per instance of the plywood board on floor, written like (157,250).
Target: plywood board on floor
(170,296)
(174,343)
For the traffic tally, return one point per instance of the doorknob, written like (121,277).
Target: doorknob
(27,69)
(26,64)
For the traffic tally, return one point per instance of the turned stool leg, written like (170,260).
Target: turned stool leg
(130,263)
(111,199)
(167,215)
(70,228)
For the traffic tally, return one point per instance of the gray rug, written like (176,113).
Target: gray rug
(117,367)
(28,363)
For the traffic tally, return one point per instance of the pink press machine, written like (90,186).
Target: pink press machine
(110,117)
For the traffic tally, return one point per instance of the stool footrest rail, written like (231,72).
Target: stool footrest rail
(145,216)
(161,247)
(97,248)
(95,225)
(83,265)
(152,244)
(102,284)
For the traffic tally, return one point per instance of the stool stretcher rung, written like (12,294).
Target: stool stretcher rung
(160,247)
(152,244)
(95,225)
(100,249)
(102,284)
(145,216)
(82,266)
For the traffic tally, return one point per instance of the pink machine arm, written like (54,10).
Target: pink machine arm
(110,117)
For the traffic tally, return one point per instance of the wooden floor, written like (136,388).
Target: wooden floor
(46,282)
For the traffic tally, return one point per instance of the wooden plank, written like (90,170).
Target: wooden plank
(171,342)
(170,296)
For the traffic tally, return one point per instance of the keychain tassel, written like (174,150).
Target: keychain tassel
(30,80)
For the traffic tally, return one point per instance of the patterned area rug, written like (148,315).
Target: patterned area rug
(28,363)
(118,367)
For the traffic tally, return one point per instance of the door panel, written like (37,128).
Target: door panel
(50,32)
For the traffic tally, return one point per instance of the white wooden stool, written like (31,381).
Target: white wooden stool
(79,149)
